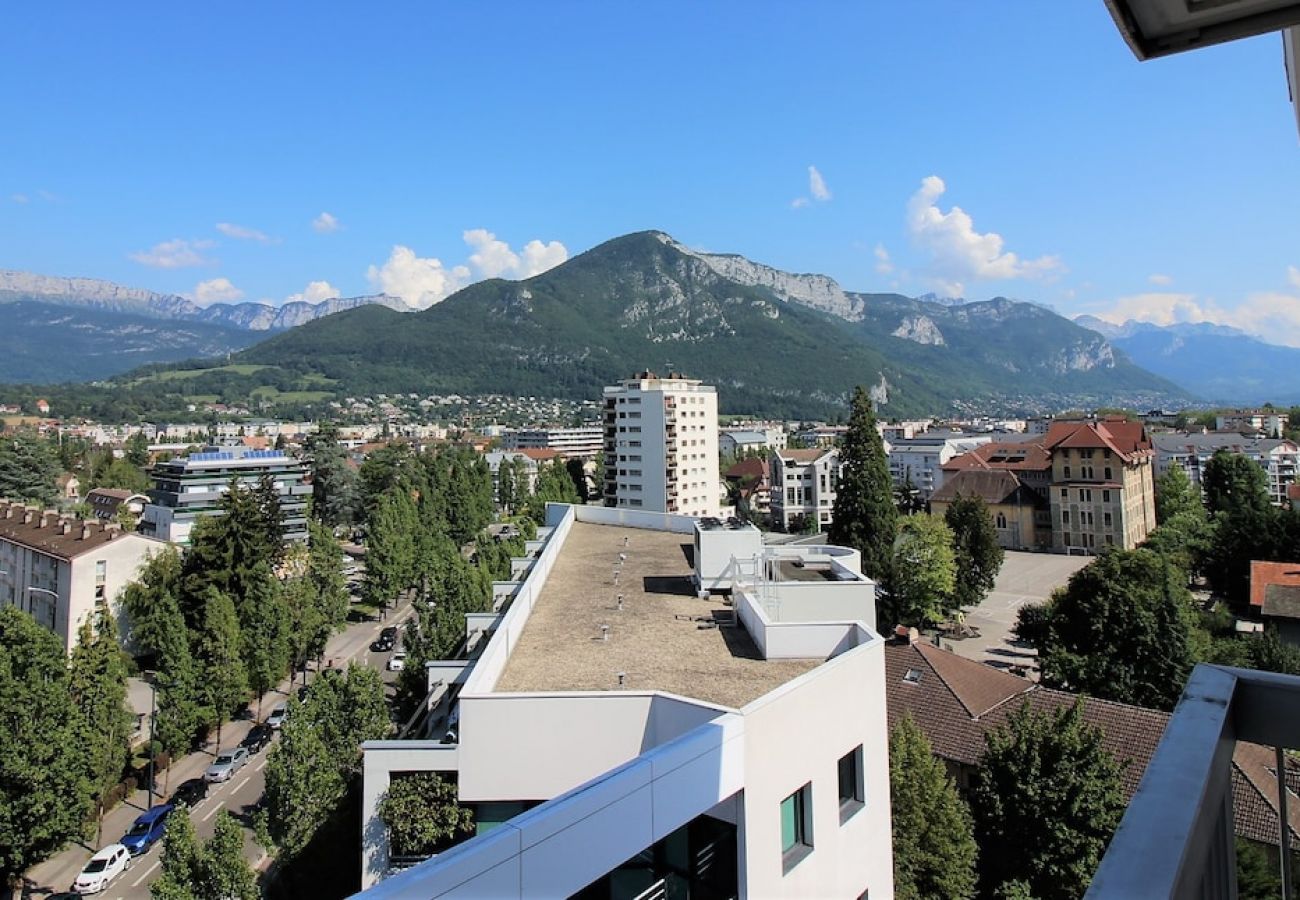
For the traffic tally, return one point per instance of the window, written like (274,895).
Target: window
(1065,494)
(796,827)
(1105,495)
(1067,471)
(1106,519)
(1002,520)
(1085,495)
(1108,476)
(852,790)
(1065,517)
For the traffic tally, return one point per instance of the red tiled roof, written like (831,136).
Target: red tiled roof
(995,486)
(747,468)
(1126,439)
(1012,456)
(539,454)
(1263,575)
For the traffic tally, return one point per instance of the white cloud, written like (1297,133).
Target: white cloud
(884,265)
(799,202)
(958,252)
(175,254)
(1269,315)
(424,281)
(1293,276)
(243,233)
(314,292)
(1160,280)
(817,185)
(325,223)
(216,290)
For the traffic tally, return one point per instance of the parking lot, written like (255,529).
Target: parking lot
(1025,578)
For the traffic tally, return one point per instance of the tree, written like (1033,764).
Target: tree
(553,486)
(506,497)
(864,516)
(182,862)
(1233,481)
(924,571)
(390,546)
(1121,630)
(1046,801)
(422,814)
(44,795)
(225,683)
(136,450)
(226,874)
(1175,494)
(333,482)
(28,468)
(975,545)
(264,630)
(578,475)
(934,841)
(97,683)
(121,475)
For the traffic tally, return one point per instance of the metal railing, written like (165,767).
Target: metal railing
(1177,838)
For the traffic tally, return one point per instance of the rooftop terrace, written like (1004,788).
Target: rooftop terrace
(663,639)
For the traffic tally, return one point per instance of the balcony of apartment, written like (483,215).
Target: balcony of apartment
(1176,839)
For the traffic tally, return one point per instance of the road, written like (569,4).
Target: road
(238,795)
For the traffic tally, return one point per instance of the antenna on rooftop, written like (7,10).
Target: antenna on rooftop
(622,679)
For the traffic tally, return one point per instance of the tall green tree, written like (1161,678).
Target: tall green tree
(390,547)
(225,682)
(137,450)
(97,683)
(325,571)
(422,814)
(553,485)
(924,571)
(1047,799)
(975,545)
(264,629)
(864,516)
(934,840)
(121,475)
(333,482)
(1176,495)
(44,794)
(226,874)
(383,470)
(182,862)
(1233,481)
(28,468)
(1122,630)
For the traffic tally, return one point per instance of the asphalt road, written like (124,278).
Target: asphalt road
(238,795)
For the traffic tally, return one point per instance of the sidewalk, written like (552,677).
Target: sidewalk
(59,871)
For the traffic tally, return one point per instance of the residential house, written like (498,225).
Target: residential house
(1275,596)
(752,485)
(104,503)
(1021,516)
(803,484)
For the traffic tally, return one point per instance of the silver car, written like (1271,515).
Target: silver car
(226,764)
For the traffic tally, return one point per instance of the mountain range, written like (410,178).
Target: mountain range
(1215,362)
(74,329)
(775,343)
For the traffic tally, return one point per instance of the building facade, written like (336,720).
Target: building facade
(661,446)
(61,570)
(186,488)
(919,460)
(803,485)
(1103,485)
(585,442)
(669,746)
(1278,458)
(1021,517)
(1267,422)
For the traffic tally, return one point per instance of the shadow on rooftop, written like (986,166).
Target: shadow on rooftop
(682,585)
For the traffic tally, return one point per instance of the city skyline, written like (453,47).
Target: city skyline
(973,153)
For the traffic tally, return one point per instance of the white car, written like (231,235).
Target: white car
(397,661)
(226,764)
(276,718)
(102,868)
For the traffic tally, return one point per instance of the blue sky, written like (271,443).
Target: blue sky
(191,149)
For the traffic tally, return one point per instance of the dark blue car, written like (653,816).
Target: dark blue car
(148,828)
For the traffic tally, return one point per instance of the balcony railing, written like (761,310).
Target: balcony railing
(1176,839)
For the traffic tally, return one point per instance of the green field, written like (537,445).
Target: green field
(186,374)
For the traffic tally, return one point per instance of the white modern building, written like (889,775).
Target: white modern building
(585,442)
(624,732)
(60,569)
(920,459)
(751,436)
(661,445)
(803,486)
(1268,422)
(1278,458)
(192,486)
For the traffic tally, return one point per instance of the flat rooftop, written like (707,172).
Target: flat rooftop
(664,638)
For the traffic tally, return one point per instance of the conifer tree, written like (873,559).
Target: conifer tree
(864,516)
(934,842)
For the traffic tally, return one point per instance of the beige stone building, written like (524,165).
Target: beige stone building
(1103,485)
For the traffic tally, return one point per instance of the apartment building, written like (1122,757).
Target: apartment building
(919,460)
(584,442)
(1268,422)
(191,486)
(1277,457)
(661,445)
(803,484)
(1103,485)
(1021,516)
(60,569)
(751,436)
(618,736)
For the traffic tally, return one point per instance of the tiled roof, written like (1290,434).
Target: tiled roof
(805,455)
(1265,574)
(1282,601)
(1014,456)
(1128,440)
(747,468)
(994,487)
(48,532)
(539,454)
(946,691)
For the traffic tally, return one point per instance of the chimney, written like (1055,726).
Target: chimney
(112,529)
(85,531)
(65,526)
(28,515)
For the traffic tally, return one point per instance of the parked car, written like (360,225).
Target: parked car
(147,829)
(102,869)
(382,644)
(389,631)
(258,737)
(226,764)
(276,718)
(190,793)
(397,661)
